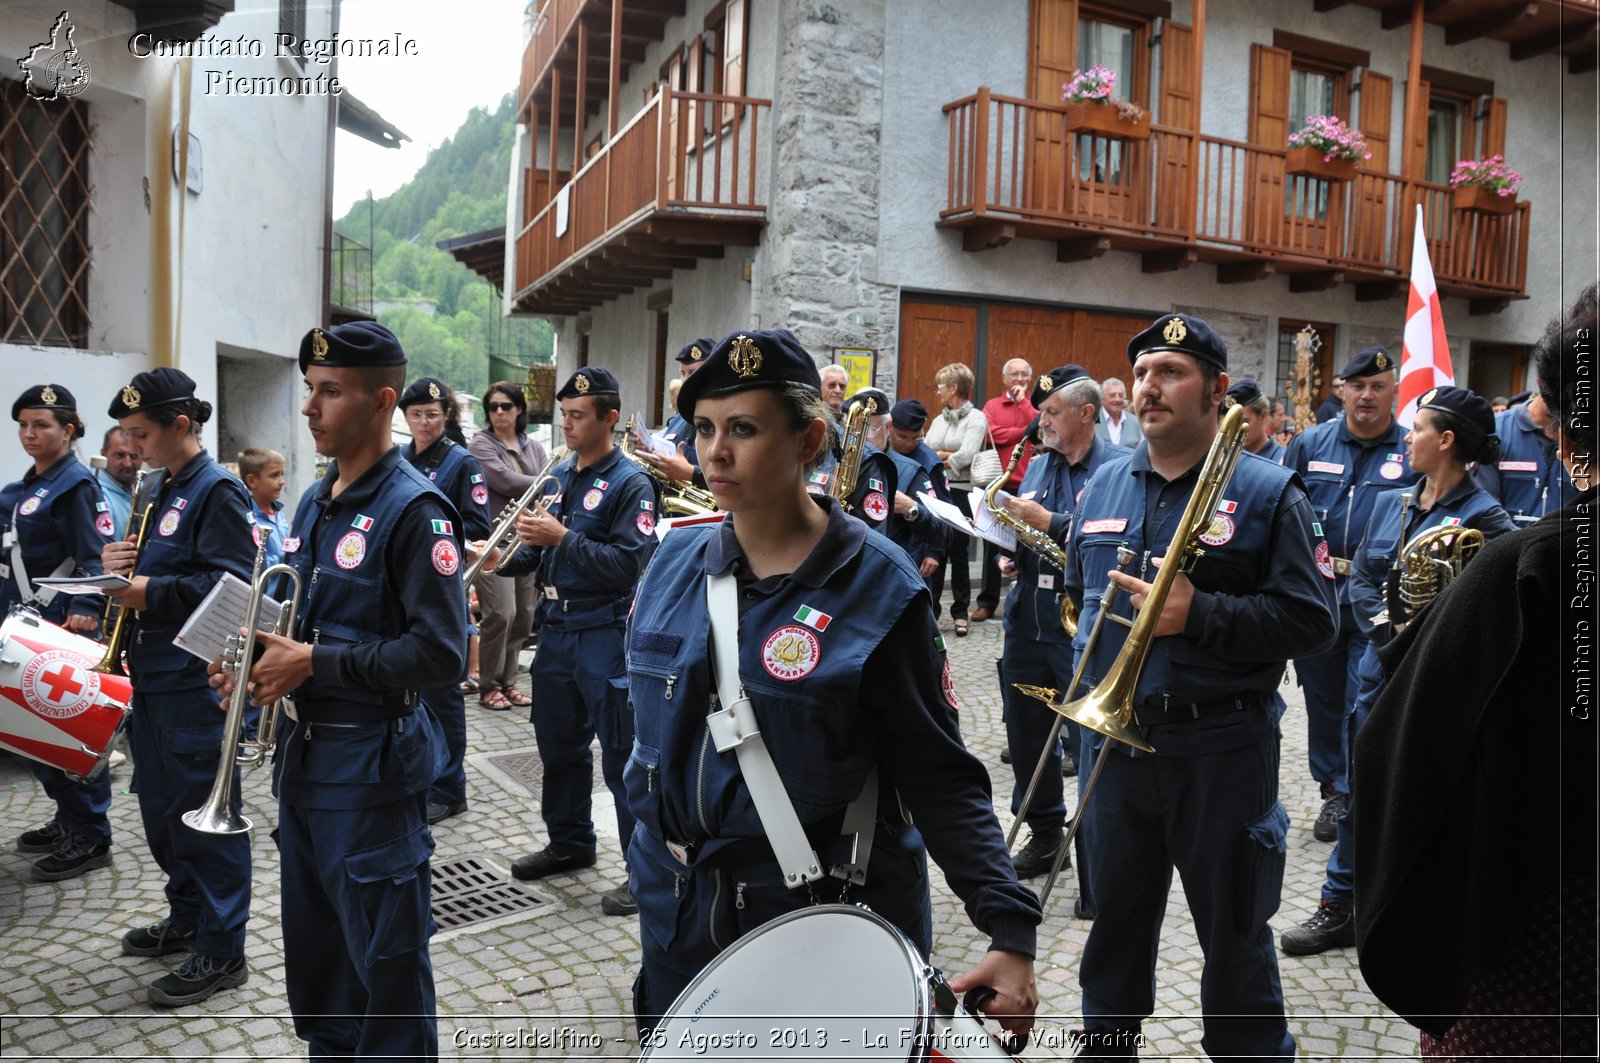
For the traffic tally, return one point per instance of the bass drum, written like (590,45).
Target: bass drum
(830,982)
(54,707)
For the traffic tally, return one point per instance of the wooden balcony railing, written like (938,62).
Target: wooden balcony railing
(656,171)
(1013,164)
(553,21)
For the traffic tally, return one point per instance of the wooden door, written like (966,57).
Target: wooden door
(933,335)
(1041,335)
(1101,342)
(1053,56)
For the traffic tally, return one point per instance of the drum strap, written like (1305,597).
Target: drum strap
(41,596)
(733,725)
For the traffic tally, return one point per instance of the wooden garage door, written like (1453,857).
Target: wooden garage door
(933,335)
(1047,338)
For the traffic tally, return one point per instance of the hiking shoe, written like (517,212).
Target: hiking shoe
(1039,855)
(72,857)
(1326,828)
(439,813)
(1005,756)
(158,939)
(1332,926)
(42,840)
(619,902)
(1069,765)
(547,862)
(198,978)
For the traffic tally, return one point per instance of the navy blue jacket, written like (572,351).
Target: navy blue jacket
(1260,596)
(925,536)
(1343,475)
(60,514)
(459,477)
(204,526)
(609,510)
(1529,479)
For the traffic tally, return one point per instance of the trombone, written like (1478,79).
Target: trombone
(504,537)
(1108,708)
(217,815)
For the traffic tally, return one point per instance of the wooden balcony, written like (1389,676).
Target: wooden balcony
(1177,197)
(657,198)
(557,45)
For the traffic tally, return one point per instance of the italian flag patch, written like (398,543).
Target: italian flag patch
(813,618)
(874,485)
(1316,528)
(362,522)
(602,484)
(440,527)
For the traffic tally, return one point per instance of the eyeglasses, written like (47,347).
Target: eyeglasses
(501,407)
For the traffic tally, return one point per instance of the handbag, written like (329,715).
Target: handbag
(986,464)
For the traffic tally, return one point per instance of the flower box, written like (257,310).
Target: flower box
(1309,162)
(1481,200)
(1102,120)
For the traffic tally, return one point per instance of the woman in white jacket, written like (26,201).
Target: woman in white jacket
(956,434)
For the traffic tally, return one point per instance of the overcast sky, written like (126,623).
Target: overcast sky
(469,54)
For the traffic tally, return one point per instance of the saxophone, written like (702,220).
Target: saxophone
(852,445)
(1027,535)
(679,498)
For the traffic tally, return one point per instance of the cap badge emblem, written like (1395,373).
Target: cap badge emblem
(745,358)
(696,354)
(1175,331)
(319,345)
(1046,382)
(48,395)
(1381,361)
(130,397)
(581,384)
(1428,397)
(433,390)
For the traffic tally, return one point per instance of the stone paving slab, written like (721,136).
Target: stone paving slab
(555,983)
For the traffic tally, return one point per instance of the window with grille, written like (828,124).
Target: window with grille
(1321,383)
(44,219)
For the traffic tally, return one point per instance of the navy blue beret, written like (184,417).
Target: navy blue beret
(44,397)
(425,389)
(357,344)
(590,380)
(908,415)
(1370,362)
(695,351)
(1046,385)
(1473,409)
(1245,391)
(1519,398)
(157,387)
(1180,332)
(879,400)
(771,358)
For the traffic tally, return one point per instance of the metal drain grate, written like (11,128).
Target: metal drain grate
(470,891)
(525,767)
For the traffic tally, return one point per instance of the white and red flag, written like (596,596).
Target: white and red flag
(1425,359)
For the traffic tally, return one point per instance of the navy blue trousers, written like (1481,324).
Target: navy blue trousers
(356,924)
(449,707)
(1340,885)
(1206,805)
(80,806)
(580,690)
(176,738)
(1028,722)
(1330,682)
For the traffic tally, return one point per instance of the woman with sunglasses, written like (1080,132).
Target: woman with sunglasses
(511,461)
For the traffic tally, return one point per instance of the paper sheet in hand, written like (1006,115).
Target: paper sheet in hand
(205,634)
(83,584)
(647,440)
(991,529)
(952,517)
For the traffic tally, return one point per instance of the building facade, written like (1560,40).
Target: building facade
(901,177)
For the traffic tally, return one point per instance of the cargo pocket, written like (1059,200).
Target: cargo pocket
(389,891)
(660,890)
(1263,851)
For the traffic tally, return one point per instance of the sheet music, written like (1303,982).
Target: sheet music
(83,584)
(644,439)
(205,634)
(952,517)
(1001,535)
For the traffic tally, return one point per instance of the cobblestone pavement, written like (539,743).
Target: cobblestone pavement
(555,982)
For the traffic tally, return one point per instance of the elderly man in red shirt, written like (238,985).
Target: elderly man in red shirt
(1008,414)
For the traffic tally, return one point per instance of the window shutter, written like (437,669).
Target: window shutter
(1377,98)
(1269,128)
(674,84)
(1494,128)
(1176,110)
(1372,193)
(692,113)
(1417,150)
(1054,52)
(733,31)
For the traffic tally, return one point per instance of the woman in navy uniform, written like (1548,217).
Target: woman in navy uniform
(1206,802)
(382,617)
(829,614)
(455,472)
(55,523)
(202,530)
(1454,427)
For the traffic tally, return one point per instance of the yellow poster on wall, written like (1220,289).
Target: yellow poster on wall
(859,363)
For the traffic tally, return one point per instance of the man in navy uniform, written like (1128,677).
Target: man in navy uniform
(382,616)
(1527,478)
(678,432)
(1037,648)
(1345,463)
(1206,802)
(451,468)
(1258,408)
(919,472)
(588,538)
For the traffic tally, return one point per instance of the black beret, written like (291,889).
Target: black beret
(425,389)
(1472,409)
(360,343)
(695,351)
(873,395)
(1047,384)
(158,387)
(590,380)
(1519,398)
(1180,332)
(908,415)
(44,397)
(762,359)
(1245,391)
(1370,362)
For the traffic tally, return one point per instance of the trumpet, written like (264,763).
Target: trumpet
(114,622)
(852,445)
(217,815)
(504,536)
(679,498)
(1030,537)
